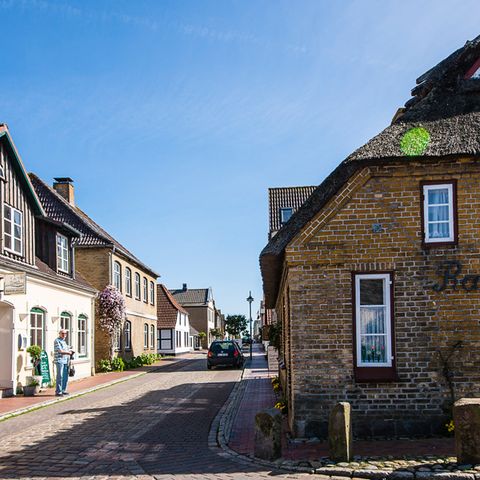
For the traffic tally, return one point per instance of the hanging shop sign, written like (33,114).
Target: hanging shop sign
(450,273)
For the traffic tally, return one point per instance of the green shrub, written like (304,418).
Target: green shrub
(104,365)
(117,364)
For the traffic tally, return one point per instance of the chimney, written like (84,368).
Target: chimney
(184,288)
(64,187)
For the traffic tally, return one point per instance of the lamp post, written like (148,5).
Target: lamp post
(250,300)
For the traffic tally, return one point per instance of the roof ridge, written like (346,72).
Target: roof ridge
(65,203)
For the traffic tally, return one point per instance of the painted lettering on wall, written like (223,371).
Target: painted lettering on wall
(451,276)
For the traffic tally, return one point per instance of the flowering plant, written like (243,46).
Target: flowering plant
(111,312)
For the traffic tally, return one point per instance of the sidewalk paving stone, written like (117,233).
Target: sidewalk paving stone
(372,457)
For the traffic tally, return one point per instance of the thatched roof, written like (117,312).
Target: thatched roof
(444,103)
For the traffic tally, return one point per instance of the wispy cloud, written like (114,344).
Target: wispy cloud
(193,30)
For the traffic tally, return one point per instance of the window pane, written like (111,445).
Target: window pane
(17,217)
(17,246)
(372,320)
(373,349)
(8,227)
(17,232)
(438,213)
(437,196)
(438,230)
(371,292)
(7,213)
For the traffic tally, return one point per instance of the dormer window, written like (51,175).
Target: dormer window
(474,71)
(62,254)
(13,229)
(285,214)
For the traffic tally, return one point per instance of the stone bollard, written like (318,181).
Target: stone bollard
(268,434)
(466,416)
(340,433)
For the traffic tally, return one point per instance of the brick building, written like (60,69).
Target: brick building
(102,261)
(375,278)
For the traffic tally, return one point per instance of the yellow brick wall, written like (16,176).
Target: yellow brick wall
(95,265)
(320,262)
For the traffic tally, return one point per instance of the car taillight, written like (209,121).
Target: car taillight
(235,353)
(210,355)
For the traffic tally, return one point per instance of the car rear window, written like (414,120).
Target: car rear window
(222,347)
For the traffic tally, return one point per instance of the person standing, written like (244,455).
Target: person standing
(62,354)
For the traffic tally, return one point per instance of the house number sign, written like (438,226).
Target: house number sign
(450,272)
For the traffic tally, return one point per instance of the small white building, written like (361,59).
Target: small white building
(173,324)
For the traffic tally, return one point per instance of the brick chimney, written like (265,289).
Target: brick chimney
(64,187)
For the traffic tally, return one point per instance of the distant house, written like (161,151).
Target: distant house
(375,279)
(199,303)
(283,202)
(174,334)
(102,261)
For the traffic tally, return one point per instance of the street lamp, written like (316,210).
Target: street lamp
(250,300)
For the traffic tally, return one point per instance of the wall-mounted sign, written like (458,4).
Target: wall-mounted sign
(15,283)
(450,271)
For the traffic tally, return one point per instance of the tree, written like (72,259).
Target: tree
(216,332)
(111,310)
(234,324)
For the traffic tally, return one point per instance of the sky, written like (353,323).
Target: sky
(174,117)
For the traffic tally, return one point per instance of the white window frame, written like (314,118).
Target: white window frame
(12,236)
(41,313)
(82,335)
(127,331)
(66,324)
(128,282)
(63,256)
(117,339)
(451,222)
(145,289)
(145,336)
(117,275)
(138,287)
(152,293)
(387,281)
(152,336)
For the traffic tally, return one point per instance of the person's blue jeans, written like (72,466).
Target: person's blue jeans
(62,378)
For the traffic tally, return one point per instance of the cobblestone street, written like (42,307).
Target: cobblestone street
(153,426)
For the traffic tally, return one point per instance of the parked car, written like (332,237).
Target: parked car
(224,353)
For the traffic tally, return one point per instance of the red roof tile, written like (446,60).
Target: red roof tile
(167,308)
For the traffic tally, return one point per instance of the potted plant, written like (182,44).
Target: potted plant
(35,351)
(31,389)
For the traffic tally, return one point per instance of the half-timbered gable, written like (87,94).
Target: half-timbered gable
(19,205)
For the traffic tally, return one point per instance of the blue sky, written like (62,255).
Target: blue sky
(174,117)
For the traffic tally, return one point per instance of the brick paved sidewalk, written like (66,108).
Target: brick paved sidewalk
(258,394)
(18,404)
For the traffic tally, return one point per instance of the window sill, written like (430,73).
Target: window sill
(375,374)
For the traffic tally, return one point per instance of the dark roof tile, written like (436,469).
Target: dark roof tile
(92,235)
